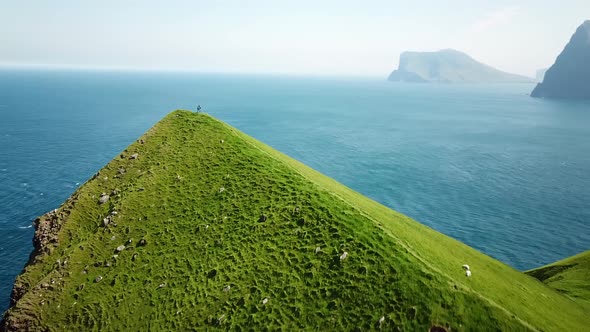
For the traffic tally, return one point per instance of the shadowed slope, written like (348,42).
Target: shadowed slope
(570,276)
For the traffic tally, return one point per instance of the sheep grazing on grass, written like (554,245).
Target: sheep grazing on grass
(103,198)
(220,319)
(467,270)
(343,256)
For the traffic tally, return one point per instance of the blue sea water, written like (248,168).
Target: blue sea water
(486,164)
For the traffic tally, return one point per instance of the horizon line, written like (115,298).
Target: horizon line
(103,68)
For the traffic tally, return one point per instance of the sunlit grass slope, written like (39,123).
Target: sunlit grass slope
(570,276)
(215,230)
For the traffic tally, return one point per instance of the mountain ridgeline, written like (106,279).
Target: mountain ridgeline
(197,226)
(569,76)
(569,276)
(448,66)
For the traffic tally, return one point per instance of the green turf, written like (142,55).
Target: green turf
(196,194)
(570,276)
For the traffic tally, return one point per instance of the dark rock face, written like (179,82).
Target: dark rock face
(569,77)
(448,66)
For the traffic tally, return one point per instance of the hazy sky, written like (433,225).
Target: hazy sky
(304,37)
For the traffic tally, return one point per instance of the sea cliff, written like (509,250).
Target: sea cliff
(569,76)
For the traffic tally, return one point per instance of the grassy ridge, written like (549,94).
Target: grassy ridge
(570,276)
(195,196)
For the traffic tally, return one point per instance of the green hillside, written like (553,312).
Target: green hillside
(570,276)
(206,228)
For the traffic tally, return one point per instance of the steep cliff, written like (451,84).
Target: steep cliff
(569,76)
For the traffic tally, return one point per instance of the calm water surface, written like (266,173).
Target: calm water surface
(487,165)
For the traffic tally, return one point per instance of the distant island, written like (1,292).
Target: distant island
(449,66)
(569,76)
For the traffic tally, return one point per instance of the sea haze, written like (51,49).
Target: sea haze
(486,164)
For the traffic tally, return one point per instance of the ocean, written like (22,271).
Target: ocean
(486,164)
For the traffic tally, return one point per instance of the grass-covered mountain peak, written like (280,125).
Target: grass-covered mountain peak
(197,226)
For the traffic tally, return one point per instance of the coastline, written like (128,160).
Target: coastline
(45,240)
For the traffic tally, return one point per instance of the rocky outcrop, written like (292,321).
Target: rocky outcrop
(448,66)
(569,76)
(46,238)
(46,229)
